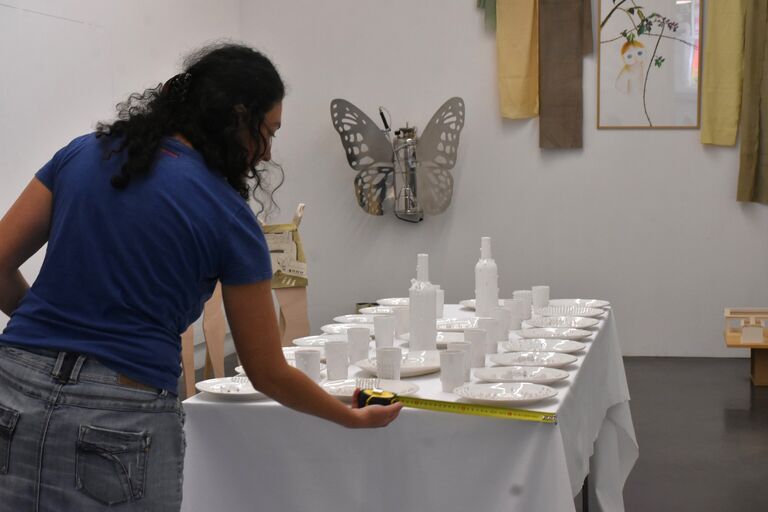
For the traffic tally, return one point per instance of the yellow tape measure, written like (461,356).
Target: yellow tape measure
(371,397)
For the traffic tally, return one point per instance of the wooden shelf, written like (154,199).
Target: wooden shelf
(733,340)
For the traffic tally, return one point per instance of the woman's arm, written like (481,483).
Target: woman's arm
(252,320)
(23,231)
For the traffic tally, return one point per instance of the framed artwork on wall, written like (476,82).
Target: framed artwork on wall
(648,63)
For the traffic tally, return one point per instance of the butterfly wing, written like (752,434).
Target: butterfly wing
(436,152)
(368,151)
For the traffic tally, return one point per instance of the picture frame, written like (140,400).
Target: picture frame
(649,64)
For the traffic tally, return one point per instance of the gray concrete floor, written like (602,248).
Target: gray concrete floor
(703,435)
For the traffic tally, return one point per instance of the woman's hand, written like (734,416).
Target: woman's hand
(373,416)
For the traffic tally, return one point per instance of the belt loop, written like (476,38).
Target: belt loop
(75,373)
(57,366)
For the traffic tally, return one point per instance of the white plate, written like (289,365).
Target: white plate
(395,301)
(227,386)
(378,310)
(443,338)
(456,324)
(569,311)
(580,303)
(578,322)
(548,359)
(470,303)
(317,340)
(512,393)
(535,374)
(344,389)
(354,319)
(563,333)
(542,345)
(414,363)
(342,328)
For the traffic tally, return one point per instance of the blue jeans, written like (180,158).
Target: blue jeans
(73,439)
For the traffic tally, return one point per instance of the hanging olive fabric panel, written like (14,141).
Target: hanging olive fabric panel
(489,6)
(563,30)
(517,49)
(753,169)
(723,71)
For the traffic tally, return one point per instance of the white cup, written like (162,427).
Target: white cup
(439,301)
(402,319)
(540,296)
(465,347)
(517,312)
(384,330)
(527,297)
(337,359)
(308,361)
(359,339)
(477,339)
(452,369)
(504,317)
(388,360)
(491,327)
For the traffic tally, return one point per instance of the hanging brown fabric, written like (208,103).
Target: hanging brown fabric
(565,35)
(753,169)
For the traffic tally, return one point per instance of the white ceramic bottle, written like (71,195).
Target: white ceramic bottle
(423,316)
(486,281)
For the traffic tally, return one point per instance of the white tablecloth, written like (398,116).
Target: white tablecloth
(262,456)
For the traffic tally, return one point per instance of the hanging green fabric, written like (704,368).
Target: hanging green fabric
(489,6)
(721,83)
(565,28)
(753,169)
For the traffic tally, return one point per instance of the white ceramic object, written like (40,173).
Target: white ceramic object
(451,369)
(342,328)
(466,347)
(394,301)
(344,389)
(384,330)
(422,313)
(486,280)
(442,338)
(477,339)
(456,324)
(508,393)
(318,340)
(470,303)
(378,310)
(414,363)
(337,359)
(570,311)
(353,319)
(539,296)
(547,359)
(542,345)
(563,333)
(535,374)
(230,387)
(580,303)
(577,322)
(308,361)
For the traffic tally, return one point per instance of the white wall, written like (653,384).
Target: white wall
(646,219)
(64,64)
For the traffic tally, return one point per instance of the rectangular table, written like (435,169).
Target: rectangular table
(263,456)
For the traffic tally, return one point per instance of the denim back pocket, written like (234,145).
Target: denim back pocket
(111,464)
(8,420)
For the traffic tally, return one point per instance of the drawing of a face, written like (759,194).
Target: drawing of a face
(633,53)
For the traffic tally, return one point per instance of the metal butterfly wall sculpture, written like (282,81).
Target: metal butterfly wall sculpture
(412,170)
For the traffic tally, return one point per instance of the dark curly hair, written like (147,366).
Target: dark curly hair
(221,87)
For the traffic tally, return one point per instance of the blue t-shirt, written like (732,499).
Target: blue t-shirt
(127,271)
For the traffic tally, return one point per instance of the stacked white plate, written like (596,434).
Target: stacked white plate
(456,324)
(546,359)
(535,374)
(563,333)
(577,322)
(442,339)
(342,328)
(569,311)
(344,389)
(414,363)
(354,319)
(507,393)
(581,303)
(230,387)
(470,303)
(318,340)
(542,345)
(378,310)
(394,301)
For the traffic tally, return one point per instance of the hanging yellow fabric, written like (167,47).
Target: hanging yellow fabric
(517,54)
(723,71)
(753,169)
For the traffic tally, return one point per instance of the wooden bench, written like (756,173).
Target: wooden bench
(746,328)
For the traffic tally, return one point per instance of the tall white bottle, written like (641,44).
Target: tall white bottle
(422,296)
(486,281)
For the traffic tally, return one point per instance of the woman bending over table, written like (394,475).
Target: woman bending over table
(141,218)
